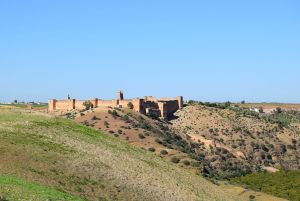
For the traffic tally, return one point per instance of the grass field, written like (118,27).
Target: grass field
(25,106)
(287,106)
(12,188)
(56,153)
(285,184)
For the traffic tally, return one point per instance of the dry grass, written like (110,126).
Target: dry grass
(84,162)
(224,129)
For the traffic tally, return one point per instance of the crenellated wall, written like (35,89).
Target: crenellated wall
(107,103)
(64,104)
(165,107)
(79,104)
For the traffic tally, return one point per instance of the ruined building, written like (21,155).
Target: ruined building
(163,107)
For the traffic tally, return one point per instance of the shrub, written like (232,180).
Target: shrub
(282,148)
(95,118)
(3,198)
(106,124)
(114,113)
(141,136)
(196,164)
(251,197)
(88,105)
(164,152)
(174,159)
(152,149)
(126,118)
(278,110)
(130,105)
(86,123)
(186,163)
(157,140)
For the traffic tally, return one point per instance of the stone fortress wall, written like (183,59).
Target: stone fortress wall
(163,107)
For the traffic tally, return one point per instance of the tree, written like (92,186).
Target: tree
(130,105)
(227,104)
(243,102)
(278,110)
(282,148)
(88,105)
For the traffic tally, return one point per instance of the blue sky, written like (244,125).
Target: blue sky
(206,50)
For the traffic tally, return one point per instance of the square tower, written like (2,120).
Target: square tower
(120,95)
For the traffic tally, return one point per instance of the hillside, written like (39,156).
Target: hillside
(284,184)
(165,140)
(40,151)
(219,143)
(235,142)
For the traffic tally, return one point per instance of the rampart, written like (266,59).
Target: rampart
(164,107)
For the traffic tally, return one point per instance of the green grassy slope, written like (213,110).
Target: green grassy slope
(285,184)
(12,188)
(83,162)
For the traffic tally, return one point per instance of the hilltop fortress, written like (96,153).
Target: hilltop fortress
(163,107)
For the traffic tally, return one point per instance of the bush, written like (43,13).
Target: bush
(126,118)
(141,136)
(196,164)
(106,124)
(88,105)
(251,197)
(95,118)
(282,184)
(3,198)
(157,140)
(278,110)
(186,163)
(152,149)
(282,148)
(175,159)
(130,105)
(164,152)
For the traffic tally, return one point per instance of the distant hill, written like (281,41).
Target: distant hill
(236,141)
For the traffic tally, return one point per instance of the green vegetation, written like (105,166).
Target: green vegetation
(283,118)
(285,184)
(152,149)
(12,188)
(174,159)
(130,105)
(88,105)
(280,117)
(114,113)
(225,105)
(141,136)
(24,106)
(164,152)
(251,197)
(59,155)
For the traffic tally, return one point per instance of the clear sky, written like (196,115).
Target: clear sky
(206,50)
